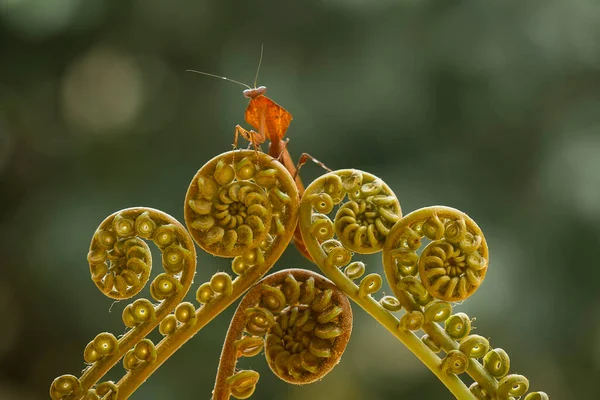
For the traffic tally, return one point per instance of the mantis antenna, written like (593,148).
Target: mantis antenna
(218,76)
(262,45)
(233,80)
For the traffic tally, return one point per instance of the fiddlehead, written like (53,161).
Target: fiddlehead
(120,264)
(301,320)
(450,268)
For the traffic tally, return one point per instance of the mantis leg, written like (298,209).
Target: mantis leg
(254,138)
(304,158)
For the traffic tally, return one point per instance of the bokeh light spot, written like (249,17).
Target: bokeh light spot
(570,174)
(38,18)
(102,92)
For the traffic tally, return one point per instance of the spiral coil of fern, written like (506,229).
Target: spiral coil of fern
(120,264)
(301,319)
(449,269)
(241,205)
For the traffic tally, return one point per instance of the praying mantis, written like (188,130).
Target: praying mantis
(270,122)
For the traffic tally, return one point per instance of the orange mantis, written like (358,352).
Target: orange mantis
(270,122)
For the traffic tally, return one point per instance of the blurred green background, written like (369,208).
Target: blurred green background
(492,107)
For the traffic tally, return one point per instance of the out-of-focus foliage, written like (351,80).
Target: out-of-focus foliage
(491,107)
